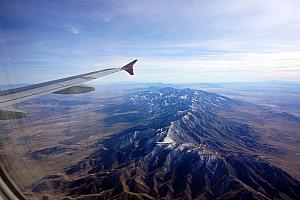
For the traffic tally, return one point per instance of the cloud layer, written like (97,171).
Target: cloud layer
(174,41)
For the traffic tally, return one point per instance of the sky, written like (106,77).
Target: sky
(181,41)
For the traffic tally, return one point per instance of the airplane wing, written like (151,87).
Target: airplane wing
(61,86)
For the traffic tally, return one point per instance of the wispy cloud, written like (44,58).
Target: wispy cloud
(72,29)
(173,40)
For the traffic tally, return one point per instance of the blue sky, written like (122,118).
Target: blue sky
(174,41)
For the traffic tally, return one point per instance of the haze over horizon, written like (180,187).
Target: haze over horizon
(182,41)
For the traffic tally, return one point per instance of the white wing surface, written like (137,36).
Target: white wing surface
(61,86)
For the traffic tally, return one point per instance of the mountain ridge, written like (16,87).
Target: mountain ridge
(182,150)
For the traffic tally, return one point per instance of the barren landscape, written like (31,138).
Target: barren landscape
(150,143)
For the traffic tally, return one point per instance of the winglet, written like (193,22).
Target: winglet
(129,67)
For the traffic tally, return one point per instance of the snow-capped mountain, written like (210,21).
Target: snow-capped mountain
(179,148)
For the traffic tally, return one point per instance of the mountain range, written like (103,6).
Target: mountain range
(183,144)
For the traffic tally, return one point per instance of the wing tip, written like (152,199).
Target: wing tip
(129,67)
